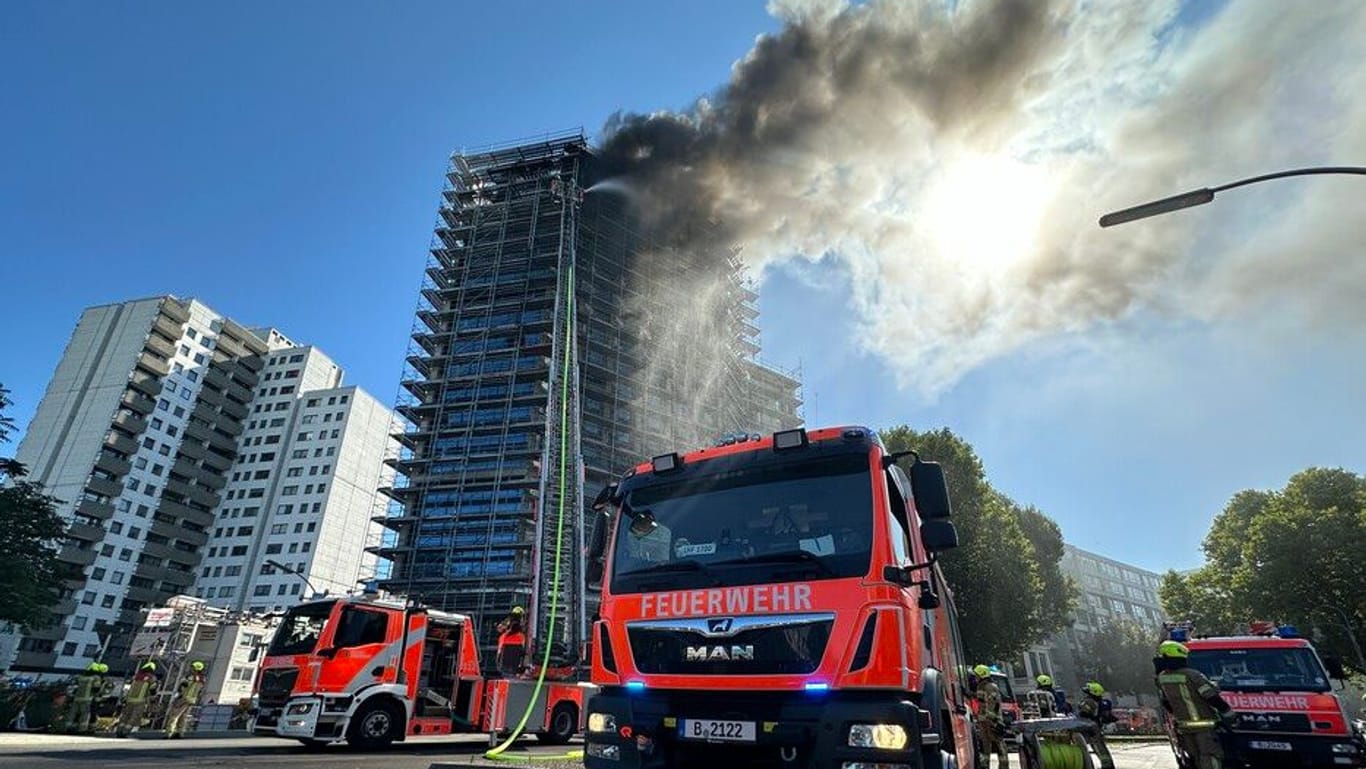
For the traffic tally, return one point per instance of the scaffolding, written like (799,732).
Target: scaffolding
(471,525)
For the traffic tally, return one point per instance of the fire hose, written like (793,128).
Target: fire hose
(499,753)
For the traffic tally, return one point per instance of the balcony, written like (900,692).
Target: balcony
(215,376)
(186,467)
(93,509)
(150,363)
(139,402)
(168,328)
(211,480)
(192,449)
(223,442)
(112,464)
(180,510)
(88,532)
(77,556)
(131,423)
(159,346)
(216,462)
(37,661)
(211,397)
(234,409)
(121,443)
(203,496)
(175,311)
(104,487)
(232,427)
(145,383)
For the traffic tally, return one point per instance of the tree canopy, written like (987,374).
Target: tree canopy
(1007,584)
(29,569)
(1292,555)
(1119,656)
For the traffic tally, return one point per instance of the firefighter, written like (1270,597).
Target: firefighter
(89,686)
(512,642)
(186,697)
(1095,707)
(990,720)
(1041,700)
(143,686)
(1195,705)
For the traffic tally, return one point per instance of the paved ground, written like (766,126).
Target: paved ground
(54,752)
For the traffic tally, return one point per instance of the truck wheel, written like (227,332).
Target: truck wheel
(564,722)
(376,724)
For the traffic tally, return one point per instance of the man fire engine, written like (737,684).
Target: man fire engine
(1285,711)
(776,598)
(372,671)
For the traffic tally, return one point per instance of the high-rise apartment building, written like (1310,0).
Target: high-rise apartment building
(661,359)
(1108,591)
(143,435)
(297,510)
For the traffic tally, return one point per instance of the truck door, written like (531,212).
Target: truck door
(354,659)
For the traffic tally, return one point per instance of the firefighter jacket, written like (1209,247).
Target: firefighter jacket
(85,688)
(191,686)
(989,699)
(1097,709)
(142,687)
(1191,698)
(1040,703)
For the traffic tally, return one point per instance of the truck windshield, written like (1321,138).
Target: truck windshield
(300,629)
(748,525)
(1262,670)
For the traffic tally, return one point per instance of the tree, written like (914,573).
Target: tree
(1119,656)
(29,569)
(1005,576)
(1292,555)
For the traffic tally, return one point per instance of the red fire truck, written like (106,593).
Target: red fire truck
(1287,713)
(776,599)
(372,671)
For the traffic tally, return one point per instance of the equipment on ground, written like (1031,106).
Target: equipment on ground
(777,599)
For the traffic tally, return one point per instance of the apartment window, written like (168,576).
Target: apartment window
(296,358)
(69,648)
(280,589)
(233,571)
(178,411)
(158,469)
(164,450)
(226,591)
(292,374)
(116,578)
(240,550)
(298,528)
(294,589)
(279,528)
(272,440)
(185,350)
(261,475)
(330,450)
(317,506)
(134,532)
(261,590)
(293,547)
(200,358)
(106,550)
(311,526)
(256,493)
(318,452)
(268,456)
(303,436)
(243,673)
(156,423)
(78,622)
(309,419)
(125,554)
(294,472)
(273,549)
(140,463)
(148,443)
(284,509)
(289,491)
(142,511)
(108,601)
(97,574)
(191,333)
(149,490)
(307,545)
(299,454)
(327,417)
(332,401)
(308,489)
(193,376)
(277,422)
(172,431)
(344,399)
(116,527)
(133,484)
(178,367)
(335,433)
(170,387)
(311,402)
(322,487)
(281,406)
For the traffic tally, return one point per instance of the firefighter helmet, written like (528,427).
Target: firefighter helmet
(1043,679)
(1173,650)
(518,610)
(1094,688)
(148,665)
(197,666)
(981,671)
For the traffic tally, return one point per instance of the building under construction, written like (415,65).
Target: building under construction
(662,358)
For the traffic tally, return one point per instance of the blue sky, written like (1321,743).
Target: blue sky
(281,162)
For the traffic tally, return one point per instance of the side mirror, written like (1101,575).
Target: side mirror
(605,497)
(928,598)
(938,535)
(327,652)
(930,490)
(897,575)
(1335,667)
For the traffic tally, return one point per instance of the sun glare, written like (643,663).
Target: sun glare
(985,210)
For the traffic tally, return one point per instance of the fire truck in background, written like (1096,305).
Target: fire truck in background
(372,671)
(776,599)
(1287,712)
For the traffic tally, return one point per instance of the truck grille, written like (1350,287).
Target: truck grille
(276,686)
(750,645)
(1252,721)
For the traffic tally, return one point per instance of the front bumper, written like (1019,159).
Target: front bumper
(1305,750)
(794,730)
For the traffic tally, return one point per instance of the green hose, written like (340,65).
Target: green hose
(1055,754)
(498,753)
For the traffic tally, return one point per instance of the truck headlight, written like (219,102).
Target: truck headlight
(602,722)
(880,736)
(299,708)
(1345,747)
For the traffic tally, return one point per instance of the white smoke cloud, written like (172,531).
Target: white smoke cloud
(955,158)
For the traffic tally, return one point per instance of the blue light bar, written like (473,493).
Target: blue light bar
(817,686)
(1288,631)
(636,686)
(1179,634)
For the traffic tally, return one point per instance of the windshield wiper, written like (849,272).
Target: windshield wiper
(783,556)
(667,566)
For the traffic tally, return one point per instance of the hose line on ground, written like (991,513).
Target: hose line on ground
(499,753)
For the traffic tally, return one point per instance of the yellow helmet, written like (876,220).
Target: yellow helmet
(981,671)
(518,610)
(93,667)
(197,666)
(148,665)
(1094,688)
(1173,650)
(1043,679)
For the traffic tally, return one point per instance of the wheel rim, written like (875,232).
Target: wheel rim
(376,724)
(564,724)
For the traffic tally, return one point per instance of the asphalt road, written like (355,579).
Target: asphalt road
(39,752)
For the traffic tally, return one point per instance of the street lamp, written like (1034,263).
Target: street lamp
(1206,194)
(276,564)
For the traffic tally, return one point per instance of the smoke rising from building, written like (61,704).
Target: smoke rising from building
(953,158)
